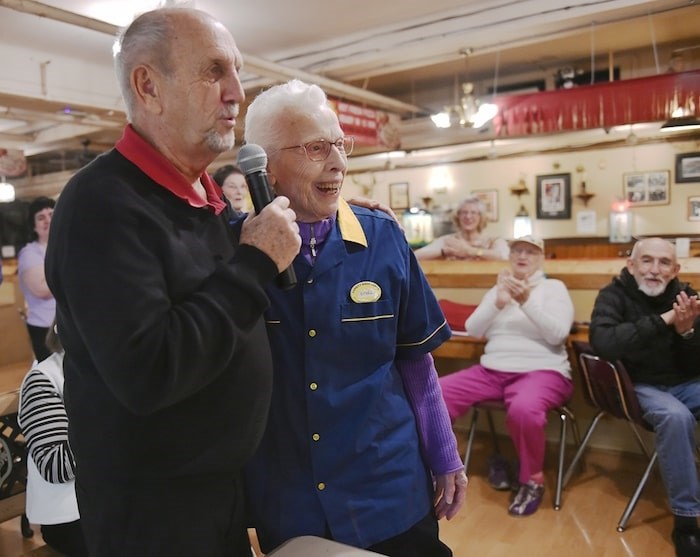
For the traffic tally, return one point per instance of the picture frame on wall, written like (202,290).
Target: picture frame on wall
(553,196)
(489,198)
(647,188)
(688,167)
(694,207)
(398,196)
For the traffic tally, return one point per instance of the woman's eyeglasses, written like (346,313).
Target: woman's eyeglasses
(530,252)
(320,149)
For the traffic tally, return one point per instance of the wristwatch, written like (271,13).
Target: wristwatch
(690,333)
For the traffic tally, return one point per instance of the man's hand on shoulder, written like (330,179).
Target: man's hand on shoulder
(372,204)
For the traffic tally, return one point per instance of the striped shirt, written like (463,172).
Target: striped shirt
(42,417)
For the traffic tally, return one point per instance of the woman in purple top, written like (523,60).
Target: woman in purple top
(41,306)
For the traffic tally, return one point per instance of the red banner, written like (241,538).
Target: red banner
(369,127)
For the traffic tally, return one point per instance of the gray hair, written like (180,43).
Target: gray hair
(147,39)
(267,109)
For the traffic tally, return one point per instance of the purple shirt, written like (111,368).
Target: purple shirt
(41,311)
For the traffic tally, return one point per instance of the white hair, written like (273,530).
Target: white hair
(264,113)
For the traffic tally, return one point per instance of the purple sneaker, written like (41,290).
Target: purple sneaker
(499,473)
(527,500)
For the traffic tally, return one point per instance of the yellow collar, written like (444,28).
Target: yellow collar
(350,228)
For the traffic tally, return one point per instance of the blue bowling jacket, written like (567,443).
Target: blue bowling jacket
(340,456)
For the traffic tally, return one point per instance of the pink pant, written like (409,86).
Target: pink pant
(527,397)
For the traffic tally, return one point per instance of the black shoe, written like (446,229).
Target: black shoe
(499,473)
(687,542)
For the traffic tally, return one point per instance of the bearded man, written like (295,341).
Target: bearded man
(647,318)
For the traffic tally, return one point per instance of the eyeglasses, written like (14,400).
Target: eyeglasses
(530,252)
(320,149)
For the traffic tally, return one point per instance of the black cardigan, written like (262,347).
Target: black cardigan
(168,369)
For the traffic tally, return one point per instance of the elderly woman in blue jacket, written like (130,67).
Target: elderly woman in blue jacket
(358,447)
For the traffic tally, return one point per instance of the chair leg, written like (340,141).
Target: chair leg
(470,438)
(640,441)
(637,492)
(574,425)
(582,447)
(494,437)
(560,465)
(27,531)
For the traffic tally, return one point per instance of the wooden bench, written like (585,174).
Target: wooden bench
(465,347)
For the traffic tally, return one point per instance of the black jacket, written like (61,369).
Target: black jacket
(626,325)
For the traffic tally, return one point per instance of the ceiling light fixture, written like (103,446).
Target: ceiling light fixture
(468,111)
(7,191)
(682,117)
(681,120)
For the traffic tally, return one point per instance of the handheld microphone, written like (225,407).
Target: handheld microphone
(252,160)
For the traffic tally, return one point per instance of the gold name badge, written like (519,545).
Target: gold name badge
(365,292)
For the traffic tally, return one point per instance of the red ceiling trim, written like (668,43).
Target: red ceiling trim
(601,105)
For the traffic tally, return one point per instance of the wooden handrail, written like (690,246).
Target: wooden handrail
(579,274)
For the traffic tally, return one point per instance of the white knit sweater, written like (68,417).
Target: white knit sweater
(528,337)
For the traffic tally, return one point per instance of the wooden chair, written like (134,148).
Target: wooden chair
(566,416)
(608,388)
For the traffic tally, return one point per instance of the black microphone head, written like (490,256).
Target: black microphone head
(251,158)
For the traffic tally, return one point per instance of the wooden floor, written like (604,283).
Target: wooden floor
(584,527)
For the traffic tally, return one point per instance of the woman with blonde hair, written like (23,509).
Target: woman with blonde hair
(469,241)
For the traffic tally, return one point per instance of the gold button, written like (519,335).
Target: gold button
(315,437)
(321,486)
(313,386)
(312,333)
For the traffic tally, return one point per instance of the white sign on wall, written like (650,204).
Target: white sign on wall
(585,222)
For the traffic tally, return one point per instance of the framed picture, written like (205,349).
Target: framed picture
(694,207)
(647,188)
(490,200)
(688,167)
(554,196)
(398,196)
(586,222)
